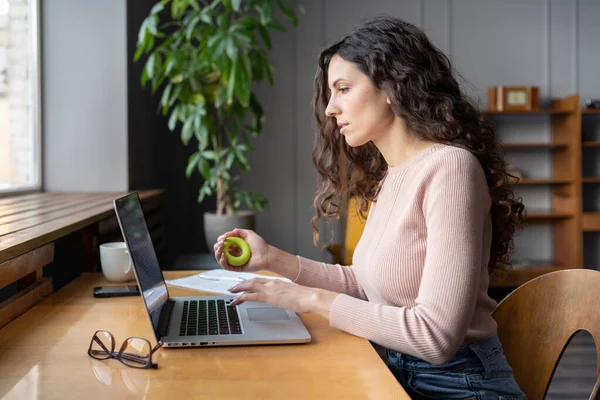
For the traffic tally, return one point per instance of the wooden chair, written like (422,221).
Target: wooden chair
(538,319)
(352,227)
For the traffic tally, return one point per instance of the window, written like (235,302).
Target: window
(20,125)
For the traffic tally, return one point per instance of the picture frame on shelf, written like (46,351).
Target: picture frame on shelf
(513,98)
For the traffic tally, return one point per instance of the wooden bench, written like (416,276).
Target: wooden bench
(30,224)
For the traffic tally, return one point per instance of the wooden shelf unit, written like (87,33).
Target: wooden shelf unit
(518,276)
(532,145)
(591,219)
(566,190)
(543,181)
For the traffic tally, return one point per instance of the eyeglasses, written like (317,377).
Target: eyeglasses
(135,352)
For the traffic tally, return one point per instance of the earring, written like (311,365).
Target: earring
(389,101)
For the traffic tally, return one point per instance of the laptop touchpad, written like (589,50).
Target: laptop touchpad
(267,314)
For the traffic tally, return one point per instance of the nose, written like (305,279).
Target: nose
(332,109)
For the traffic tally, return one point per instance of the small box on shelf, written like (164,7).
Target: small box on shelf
(513,98)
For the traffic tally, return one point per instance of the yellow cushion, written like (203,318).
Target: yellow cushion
(355,225)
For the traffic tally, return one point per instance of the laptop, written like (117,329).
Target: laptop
(199,320)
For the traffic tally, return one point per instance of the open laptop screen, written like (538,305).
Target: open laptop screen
(150,277)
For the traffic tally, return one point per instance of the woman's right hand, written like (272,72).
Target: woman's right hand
(258,247)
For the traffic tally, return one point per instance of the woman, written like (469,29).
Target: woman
(394,128)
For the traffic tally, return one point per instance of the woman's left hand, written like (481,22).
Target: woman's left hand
(286,295)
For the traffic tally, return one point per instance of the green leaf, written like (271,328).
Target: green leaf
(187,131)
(166,96)
(229,160)
(245,23)
(138,53)
(214,45)
(243,160)
(232,79)
(204,191)
(175,9)
(192,163)
(150,65)
(265,11)
(151,25)
(173,119)
(288,11)
(142,32)
(189,30)
(244,40)
(231,49)
(144,77)
(197,123)
(269,70)
(170,63)
(158,7)
(202,137)
(265,36)
(222,21)
(175,95)
(204,168)
(275,25)
(243,82)
(206,18)
(235,4)
(209,155)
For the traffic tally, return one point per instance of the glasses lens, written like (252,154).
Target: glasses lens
(135,352)
(102,345)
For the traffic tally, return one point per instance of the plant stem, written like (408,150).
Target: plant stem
(224,204)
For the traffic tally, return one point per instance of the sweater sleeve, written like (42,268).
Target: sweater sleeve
(456,204)
(336,278)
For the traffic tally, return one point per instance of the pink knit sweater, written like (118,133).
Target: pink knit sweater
(419,280)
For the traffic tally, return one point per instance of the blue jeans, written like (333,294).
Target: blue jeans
(477,372)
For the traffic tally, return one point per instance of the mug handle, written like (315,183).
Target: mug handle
(129,265)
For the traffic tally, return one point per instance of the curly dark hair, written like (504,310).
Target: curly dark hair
(418,79)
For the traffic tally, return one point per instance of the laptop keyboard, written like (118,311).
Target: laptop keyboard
(209,317)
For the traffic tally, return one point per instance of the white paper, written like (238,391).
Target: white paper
(219,281)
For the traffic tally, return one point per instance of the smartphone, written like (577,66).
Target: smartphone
(116,291)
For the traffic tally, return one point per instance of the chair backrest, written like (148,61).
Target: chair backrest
(354,226)
(538,319)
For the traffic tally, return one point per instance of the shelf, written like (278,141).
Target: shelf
(532,145)
(590,111)
(546,215)
(529,181)
(536,112)
(591,221)
(591,143)
(519,275)
(590,180)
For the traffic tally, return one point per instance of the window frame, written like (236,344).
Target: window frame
(35,93)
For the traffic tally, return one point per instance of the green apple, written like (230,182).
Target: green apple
(237,261)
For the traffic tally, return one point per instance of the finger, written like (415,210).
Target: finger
(251,285)
(248,297)
(243,233)
(222,260)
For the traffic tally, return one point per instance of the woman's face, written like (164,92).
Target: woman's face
(362,112)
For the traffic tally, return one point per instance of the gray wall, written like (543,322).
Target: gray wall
(549,43)
(84,99)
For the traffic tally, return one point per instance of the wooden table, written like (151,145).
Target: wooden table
(29,225)
(43,355)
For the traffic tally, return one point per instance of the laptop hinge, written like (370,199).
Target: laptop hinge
(165,317)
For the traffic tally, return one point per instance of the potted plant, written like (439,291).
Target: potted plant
(202,56)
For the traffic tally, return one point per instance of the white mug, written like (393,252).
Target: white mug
(116,262)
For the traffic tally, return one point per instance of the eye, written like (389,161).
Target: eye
(343,89)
